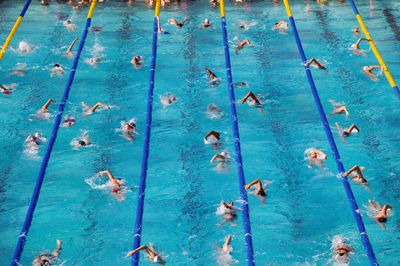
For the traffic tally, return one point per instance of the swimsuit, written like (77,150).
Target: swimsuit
(345,134)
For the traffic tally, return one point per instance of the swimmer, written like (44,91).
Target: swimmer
(97,29)
(45,107)
(382,215)
(45,2)
(82,141)
(242,84)
(213,111)
(69,121)
(167,99)
(48,259)
(314,62)
(44,111)
(339,109)
(69,25)
(281,26)
(20,70)
(33,142)
(69,53)
(176,23)
(224,257)
(346,132)
(356,45)
(214,80)
(90,110)
(137,61)
(159,28)
(341,250)
(57,70)
(7,89)
(222,159)
(129,129)
(93,61)
(241,45)
(212,138)
(368,70)
(229,213)
(118,187)
(315,157)
(246,25)
(356,176)
(206,24)
(260,192)
(214,2)
(226,247)
(356,30)
(251,100)
(24,48)
(151,254)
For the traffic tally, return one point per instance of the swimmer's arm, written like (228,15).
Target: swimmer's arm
(354,127)
(372,204)
(71,45)
(29,138)
(109,174)
(315,61)
(252,96)
(217,156)
(85,106)
(357,44)
(227,243)
(159,29)
(375,67)
(130,253)
(46,105)
(244,99)
(354,168)
(97,105)
(247,41)
(252,183)
(210,73)
(224,203)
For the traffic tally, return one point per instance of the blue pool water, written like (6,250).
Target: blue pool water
(305,207)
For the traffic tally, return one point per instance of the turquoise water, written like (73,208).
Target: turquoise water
(305,207)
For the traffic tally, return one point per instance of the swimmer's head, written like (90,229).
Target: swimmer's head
(68,22)
(56,65)
(82,143)
(172,99)
(37,135)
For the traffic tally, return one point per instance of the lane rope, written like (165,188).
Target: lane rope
(238,153)
(36,192)
(353,204)
(146,145)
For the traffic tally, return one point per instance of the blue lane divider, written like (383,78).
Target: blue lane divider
(27,3)
(35,196)
(353,204)
(146,146)
(238,153)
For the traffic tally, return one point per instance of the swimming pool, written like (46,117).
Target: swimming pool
(305,207)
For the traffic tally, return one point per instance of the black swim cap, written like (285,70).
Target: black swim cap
(82,143)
